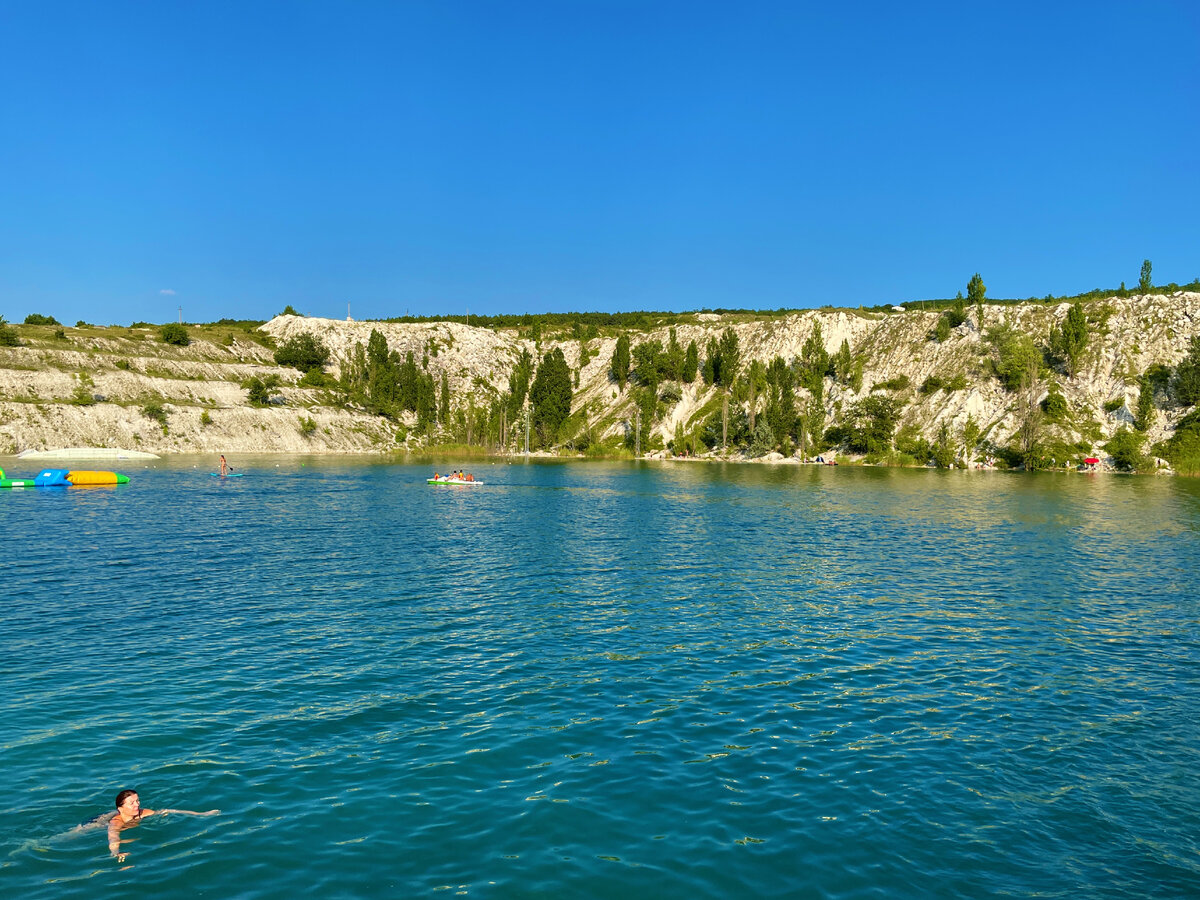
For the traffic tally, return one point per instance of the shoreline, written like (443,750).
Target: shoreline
(45,459)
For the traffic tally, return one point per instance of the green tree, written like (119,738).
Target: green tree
(1182,449)
(1125,447)
(620,361)
(1145,283)
(304,352)
(174,333)
(444,402)
(289,310)
(976,292)
(730,359)
(550,396)
(691,362)
(1185,382)
(843,362)
(1054,405)
(1030,417)
(646,399)
(763,440)
(408,378)
(712,361)
(380,377)
(943,448)
(781,398)
(39,319)
(154,409)
(813,363)
(756,380)
(259,389)
(672,362)
(956,314)
(8,335)
(970,434)
(872,421)
(1014,352)
(1143,416)
(1069,340)
(648,363)
(518,385)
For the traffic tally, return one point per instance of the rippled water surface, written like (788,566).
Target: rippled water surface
(603,680)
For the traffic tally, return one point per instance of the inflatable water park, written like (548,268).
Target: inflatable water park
(64,478)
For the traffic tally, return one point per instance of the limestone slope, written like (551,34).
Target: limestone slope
(93,386)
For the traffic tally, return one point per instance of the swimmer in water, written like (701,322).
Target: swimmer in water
(129,813)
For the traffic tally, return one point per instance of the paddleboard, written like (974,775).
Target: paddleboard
(230,475)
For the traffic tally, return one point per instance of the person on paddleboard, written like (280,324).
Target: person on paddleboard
(224,467)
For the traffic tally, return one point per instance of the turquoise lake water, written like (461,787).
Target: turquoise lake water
(603,680)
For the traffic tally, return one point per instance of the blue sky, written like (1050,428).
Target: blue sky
(435,157)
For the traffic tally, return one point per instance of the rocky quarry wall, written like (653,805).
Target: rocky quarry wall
(206,409)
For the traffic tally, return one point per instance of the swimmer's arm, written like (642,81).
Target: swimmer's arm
(184,812)
(114,839)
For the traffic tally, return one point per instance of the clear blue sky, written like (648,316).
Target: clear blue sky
(512,157)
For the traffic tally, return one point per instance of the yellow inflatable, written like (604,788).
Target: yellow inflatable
(80,478)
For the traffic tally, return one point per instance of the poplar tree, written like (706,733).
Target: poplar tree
(976,291)
(1143,416)
(814,362)
(691,362)
(1145,285)
(781,401)
(712,361)
(620,361)
(842,362)
(550,396)
(1070,339)
(729,357)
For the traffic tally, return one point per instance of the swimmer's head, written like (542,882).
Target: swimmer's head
(125,795)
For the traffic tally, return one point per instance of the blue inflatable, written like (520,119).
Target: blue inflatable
(52,478)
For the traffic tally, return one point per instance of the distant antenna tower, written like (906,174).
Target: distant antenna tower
(181,315)
(348,319)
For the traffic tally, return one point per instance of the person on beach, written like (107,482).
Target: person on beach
(224,467)
(129,813)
